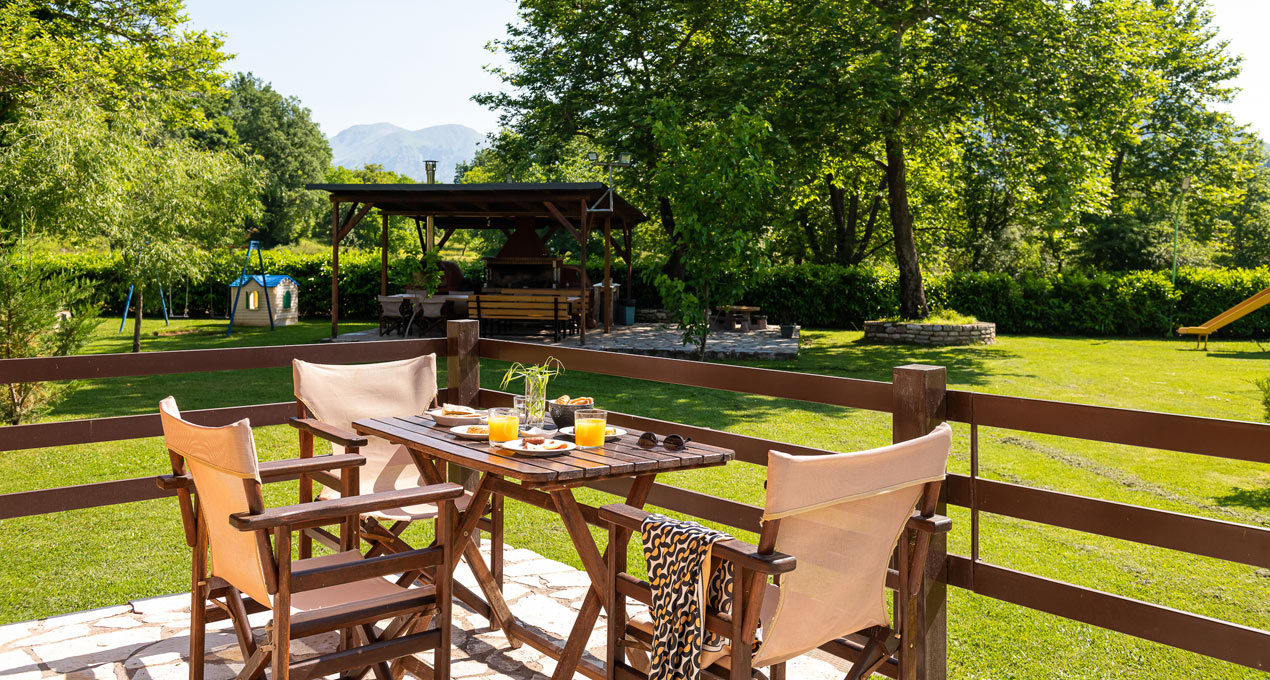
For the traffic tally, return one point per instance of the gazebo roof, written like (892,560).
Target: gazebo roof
(483,206)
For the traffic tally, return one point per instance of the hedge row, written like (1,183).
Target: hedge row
(1130,304)
(821,296)
(359,281)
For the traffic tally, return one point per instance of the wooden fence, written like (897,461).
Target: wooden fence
(917,399)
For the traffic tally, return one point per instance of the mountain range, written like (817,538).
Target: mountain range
(404,151)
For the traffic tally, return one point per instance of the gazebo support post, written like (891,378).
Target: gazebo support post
(335,269)
(419,230)
(586,303)
(338,232)
(383,258)
(606,300)
(630,259)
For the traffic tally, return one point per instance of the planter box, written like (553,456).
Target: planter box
(909,333)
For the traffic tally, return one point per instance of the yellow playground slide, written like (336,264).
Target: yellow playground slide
(1226,318)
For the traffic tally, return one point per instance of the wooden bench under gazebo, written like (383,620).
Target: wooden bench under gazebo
(528,213)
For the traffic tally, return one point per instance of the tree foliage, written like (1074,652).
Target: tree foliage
(119,55)
(123,178)
(719,182)
(1015,135)
(290,148)
(40,316)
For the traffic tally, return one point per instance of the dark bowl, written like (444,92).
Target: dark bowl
(562,414)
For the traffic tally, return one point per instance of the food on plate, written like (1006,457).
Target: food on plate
(563,399)
(534,440)
(582,401)
(610,431)
(477,429)
(457,411)
(547,445)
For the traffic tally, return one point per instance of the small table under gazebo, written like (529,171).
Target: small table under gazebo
(519,210)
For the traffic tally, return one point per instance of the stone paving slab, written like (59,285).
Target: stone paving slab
(655,339)
(149,639)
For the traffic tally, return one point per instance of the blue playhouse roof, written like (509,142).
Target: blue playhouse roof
(270,280)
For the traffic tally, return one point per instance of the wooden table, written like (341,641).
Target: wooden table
(546,483)
(738,315)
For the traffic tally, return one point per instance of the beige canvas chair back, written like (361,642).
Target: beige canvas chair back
(339,394)
(390,305)
(219,459)
(840,516)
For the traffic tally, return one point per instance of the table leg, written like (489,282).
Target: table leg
(567,506)
(502,615)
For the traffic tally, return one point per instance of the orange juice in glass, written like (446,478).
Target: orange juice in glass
(504,425)
(588,427)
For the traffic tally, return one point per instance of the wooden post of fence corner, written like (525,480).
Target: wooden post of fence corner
(463,379)
(919,401)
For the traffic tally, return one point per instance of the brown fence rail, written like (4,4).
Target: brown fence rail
(916,400)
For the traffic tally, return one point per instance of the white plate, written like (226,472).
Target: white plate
(450,421)
(461,430)
(518,446)
(608,437)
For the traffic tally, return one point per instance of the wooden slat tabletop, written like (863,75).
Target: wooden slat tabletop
(619,458)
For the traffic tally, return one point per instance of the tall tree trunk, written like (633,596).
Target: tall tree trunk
(813,243)
(840,230)
(674,264)
(862,247)
(912,294)
(136,319)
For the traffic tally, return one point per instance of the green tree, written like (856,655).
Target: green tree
(593,70)
(719,182)
(402,234)
(40,316)
(119,55)
(72,169)
(291,148)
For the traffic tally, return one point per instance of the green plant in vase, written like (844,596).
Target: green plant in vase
(535,377)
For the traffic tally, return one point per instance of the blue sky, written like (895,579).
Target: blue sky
(416,64)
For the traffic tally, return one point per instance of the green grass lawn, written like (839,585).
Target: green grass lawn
(82,559)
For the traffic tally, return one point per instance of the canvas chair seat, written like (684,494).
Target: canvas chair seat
(343,593)
(408,514)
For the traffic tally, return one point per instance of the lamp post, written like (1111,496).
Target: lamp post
(431,167)
(1178,206)
(623,161)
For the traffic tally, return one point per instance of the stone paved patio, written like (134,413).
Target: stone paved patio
(654,339)
(148,638)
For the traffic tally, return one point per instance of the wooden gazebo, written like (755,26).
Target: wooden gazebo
(576,207)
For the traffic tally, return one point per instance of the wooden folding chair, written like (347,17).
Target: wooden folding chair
(218,480)
(331,397)
(837,519)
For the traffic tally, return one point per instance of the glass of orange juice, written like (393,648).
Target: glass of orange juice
(588,427)
(504,425)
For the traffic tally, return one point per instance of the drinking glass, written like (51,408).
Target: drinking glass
(504,425)
(519,403)
(588,427)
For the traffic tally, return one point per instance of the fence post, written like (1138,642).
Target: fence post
(919,404)
(463,379)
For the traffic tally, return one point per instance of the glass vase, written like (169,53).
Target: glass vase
(535,401)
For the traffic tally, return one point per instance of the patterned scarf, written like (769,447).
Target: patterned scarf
(677,553)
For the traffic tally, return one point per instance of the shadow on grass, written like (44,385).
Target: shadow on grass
(966,365)
(1255,499)
(1257,354)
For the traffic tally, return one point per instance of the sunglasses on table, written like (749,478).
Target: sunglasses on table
(672,442)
